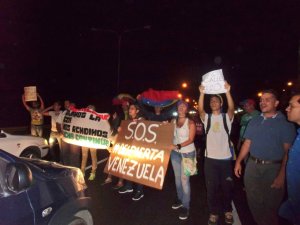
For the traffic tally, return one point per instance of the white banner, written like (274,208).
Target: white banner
(214,82)
(86,128)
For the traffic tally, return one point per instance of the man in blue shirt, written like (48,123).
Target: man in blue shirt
(290,209)
(268,138)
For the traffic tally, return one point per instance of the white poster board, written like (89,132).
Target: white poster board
(30,93)
(86,128)
(214,82)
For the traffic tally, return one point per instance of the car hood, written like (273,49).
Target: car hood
(49,169)
(25,138)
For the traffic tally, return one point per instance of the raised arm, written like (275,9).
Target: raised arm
(25,103)
(45,112)
(201,103)
(42,102)
(230,102)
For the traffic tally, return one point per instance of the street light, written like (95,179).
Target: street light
(119,35)
(184,85)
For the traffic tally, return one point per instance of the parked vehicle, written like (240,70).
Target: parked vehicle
(24,145)
(38,192)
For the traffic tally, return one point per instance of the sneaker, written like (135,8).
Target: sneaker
(177,204)
(138,195)
(125,189)
(213,219)
(184,213)
(229,218)
(92,176)
(118,186)
(107,181)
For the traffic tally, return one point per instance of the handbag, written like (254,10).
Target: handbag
(189,166)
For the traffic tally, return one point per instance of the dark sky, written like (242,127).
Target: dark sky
(66,50)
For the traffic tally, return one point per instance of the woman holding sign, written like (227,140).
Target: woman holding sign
(183,158)
(134,115)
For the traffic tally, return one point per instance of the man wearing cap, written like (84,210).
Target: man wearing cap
(249,107)
(268,138)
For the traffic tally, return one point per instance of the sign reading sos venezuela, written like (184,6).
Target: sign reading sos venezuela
(140,154)
(86,128)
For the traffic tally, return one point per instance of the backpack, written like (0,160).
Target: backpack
(231,147)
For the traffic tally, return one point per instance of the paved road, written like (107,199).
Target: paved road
(111,208)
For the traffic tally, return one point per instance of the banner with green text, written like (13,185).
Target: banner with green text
(86,128)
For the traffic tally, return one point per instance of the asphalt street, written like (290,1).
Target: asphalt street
(111,208)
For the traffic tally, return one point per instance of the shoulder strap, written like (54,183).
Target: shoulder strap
(227,131)
(208,123)
(225,124)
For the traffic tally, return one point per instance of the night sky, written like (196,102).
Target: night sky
(65,48)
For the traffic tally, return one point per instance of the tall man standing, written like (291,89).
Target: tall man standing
(218,164)
(290,209)
(268,138)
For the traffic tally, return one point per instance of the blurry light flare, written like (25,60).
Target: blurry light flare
(192,112)
(238,110)
(184,85)
(289,83)
(283,90)
(175,114)
(88,144)
(51,141)
(187,100)
(259,94)
(179,95)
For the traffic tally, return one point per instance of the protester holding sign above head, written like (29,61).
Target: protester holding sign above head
(85,151)
(218,155)
(183,158)
(134,114)
(37,119)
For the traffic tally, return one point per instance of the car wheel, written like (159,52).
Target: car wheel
(31,153)
(82,217)
(77,221)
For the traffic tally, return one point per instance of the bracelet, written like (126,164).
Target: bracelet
(178,146)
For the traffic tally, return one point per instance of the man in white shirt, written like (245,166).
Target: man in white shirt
(218,164)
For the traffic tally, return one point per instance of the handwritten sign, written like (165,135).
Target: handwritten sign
(214,82)
(86,128)
(30,93)
(140,153)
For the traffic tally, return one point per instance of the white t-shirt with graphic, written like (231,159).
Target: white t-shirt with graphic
(217,139)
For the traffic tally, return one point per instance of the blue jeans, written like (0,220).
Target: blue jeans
(182,181)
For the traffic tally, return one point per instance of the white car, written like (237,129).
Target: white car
(23,145)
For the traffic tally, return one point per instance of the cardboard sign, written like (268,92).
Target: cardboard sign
(86,128)
(140,153)
(30,93)
(214,82)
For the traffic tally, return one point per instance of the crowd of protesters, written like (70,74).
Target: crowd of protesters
(268,152)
